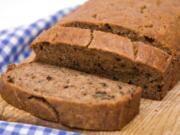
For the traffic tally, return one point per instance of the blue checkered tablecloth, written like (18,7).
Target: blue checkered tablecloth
(14,47)
(12,128)
(14,43)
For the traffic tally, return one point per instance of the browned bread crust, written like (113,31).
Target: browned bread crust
(109,55)
(70,97)
(156,22)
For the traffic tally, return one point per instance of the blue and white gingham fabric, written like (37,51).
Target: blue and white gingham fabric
(14,47)
(14,43)
(7,128)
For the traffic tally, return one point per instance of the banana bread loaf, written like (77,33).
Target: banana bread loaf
(70,97)
(109,55)
(134,41)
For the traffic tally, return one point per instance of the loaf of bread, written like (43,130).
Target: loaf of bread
(70,97)
(135,42)
(108,55)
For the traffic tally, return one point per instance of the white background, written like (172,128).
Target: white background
(22,12)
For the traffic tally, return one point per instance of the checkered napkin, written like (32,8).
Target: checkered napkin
(12,128)
(14,47)
(14,42)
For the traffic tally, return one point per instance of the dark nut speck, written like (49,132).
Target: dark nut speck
(119,86)
(121,92)
(94,15)
(142,9)
(130,82)
(159,89)
(66,86)
(104,84)
(49,78)
(10,79)
(33,77)
(117,59)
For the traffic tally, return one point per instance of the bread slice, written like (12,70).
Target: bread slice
(70,97)
(108,55)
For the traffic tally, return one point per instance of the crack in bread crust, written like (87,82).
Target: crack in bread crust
(91,38)
(132,35)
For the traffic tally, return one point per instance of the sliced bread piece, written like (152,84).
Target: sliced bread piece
(108,55)
(70,97)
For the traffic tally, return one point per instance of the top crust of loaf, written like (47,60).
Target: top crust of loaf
(156,20)
(137,52)
(70,36)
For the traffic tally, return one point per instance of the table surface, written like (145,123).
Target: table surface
(155,118)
